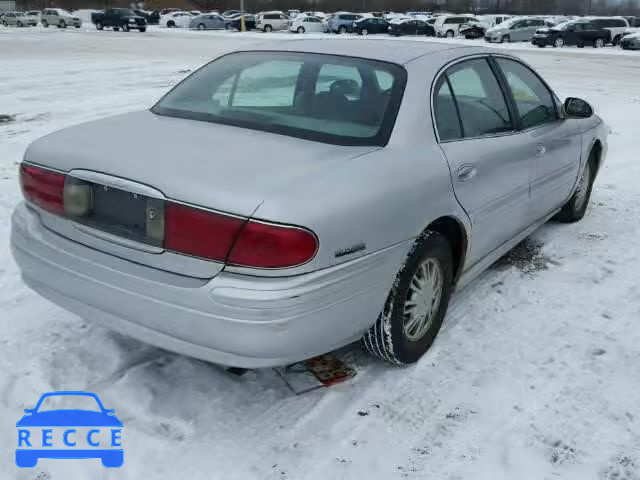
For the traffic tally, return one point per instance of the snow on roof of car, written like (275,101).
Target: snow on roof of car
(384,50)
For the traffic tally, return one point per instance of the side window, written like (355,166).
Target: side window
(268,84)
(480,101)
(446,114)
(340,79)
(534,102)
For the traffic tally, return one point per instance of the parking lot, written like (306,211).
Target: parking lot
(533,376)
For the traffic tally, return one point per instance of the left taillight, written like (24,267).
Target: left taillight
(44,188)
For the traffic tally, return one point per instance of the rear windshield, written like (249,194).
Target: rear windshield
(325,98)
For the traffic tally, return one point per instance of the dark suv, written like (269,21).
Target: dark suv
(579,33)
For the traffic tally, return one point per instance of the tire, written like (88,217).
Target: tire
(576,207)
(616,40)
(125,27)
(342,30)
(541,46)
(116,29)
(506,39)
(226,26)
(201,26)
(300,30)
(558,43)
(397,336)
(267,29)
(580,45)
(142,29)
(45,24)
(19,24)
(171,24)
(62,24)
(99,26)
(450,34)
(598,43)
(364,32)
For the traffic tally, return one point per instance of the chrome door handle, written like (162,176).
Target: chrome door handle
(541,150)
(466,173)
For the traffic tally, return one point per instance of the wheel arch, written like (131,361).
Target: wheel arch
(456,234)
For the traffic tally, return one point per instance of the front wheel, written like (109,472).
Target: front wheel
(416,306)
(171,24)
(99,25)
(598,43)
(559,43)
(450,34)
(201,26)
(62,24)
(342,30)
(300,30)
(506,39)
(576,207)
(45,24)
(142,30)
(267,29)
(364,31)
(125,27)
(616,40)
(19,24)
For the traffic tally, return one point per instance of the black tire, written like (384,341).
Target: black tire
(387,338)
(598,43)
(342,30)
(142,29)
(575,209)
(506,39)
(116,29)
(19,24)
(99,26)
(45,24)
(267,29)
(541,46)
(171,24)
(300,30)
(62,24)
(450,34)
(125,27)
(558,42)
(616,40)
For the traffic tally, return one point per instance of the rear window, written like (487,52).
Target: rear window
(325,98)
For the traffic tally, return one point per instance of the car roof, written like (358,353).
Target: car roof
(393,51)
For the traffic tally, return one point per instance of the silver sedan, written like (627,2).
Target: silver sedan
(288,200)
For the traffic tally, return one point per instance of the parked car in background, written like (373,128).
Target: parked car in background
(179,19)
(575,32)
(449,25)
(207,21)
(410,26)
(630,42)
(235,22)
(18,19)
(34,14)
(152,18)
(519,29)
(472,30)
(490,21)
(60,18)
(342,22)
(305,24)
(369,25)
(231,13)
(615,25)
(251,263)
(320,15)
(634,22)
(119,18)
(269,21)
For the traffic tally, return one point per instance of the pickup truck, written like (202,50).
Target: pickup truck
(119,18)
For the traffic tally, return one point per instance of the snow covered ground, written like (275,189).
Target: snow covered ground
(534,376)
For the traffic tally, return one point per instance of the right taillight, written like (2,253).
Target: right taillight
(43,187)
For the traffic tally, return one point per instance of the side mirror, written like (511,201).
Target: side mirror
(576,107)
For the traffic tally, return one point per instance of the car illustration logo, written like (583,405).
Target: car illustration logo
(81,427)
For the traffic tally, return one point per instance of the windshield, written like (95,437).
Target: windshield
(562,26)
(325,98)
(69,402)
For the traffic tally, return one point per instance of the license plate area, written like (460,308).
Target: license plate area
(132,216)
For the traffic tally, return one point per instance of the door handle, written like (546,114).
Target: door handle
(541,150)
(466,173)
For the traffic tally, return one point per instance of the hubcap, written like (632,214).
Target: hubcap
(583,188)
(423,299)
(559,42)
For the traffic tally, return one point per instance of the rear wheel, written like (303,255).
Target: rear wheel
(125,27)
(558,43)
(598,43)
(267,29)
(19,24)
(171,24)
(99,26)
(342,30)
(45,24)
(62,24)
(364,31)
(616,40)
(450,34)
(142,29)
(416,305)
(300,30)
(201,26)
(576,207)
(506,39)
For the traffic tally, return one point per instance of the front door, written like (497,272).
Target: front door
(489,165)
(553,144)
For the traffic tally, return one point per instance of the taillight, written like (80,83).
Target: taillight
(199,232)
(43,188)
(267,245)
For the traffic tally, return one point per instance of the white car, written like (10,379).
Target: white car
(320,15)
(305,24)
(449,25)
(60,18)
(490,21)
(615,25)
(176,19)
(269,21)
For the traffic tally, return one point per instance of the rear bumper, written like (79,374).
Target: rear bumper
(231,319)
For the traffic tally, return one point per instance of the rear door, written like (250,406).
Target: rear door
(552,144)
(489,165)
